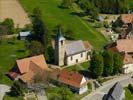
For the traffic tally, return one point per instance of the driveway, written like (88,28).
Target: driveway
(3,90)
(99,93)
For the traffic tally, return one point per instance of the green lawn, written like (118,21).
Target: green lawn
(128,94)
(53,15)
(130,2)
(6,97)
(10,50)
(79,67)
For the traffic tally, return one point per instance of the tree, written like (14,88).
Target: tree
(40,31)
(39,28)
(108,62)
(36,48)
(49,54)
(118,63)
(107,6)
(9,24)
(96,66)
(130,87)
(66,3)
(89,8)
(61,93)
(17,89)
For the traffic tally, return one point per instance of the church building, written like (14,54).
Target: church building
(71,52)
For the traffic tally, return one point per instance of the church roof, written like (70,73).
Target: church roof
(75,47)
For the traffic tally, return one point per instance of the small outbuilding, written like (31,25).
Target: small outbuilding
(24,35)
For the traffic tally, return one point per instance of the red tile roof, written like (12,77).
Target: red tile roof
(125,45)
(23,64)
(12,75)
(70,78)
(127,18)
(29,67)
(128,59)
(87,45)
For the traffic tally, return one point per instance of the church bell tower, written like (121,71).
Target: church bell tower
(59,49)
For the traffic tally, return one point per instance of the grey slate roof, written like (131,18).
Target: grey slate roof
(115,92)
(25,33)
(74,48)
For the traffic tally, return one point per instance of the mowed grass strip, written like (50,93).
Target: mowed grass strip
(10,50)
(54,15)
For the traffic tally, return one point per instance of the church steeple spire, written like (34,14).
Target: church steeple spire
(60,37)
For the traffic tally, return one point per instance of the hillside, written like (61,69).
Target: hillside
(54,15)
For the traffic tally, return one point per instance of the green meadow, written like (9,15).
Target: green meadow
(54,15)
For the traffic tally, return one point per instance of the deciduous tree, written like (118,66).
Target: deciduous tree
(118,63)
(96,66)
(108,63)
(36,48)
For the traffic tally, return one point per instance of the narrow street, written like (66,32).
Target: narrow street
(99,93)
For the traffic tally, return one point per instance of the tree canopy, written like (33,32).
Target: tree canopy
(96,65)
(118,63)
(7,26)
(108,63)
(36,48)
(107,6)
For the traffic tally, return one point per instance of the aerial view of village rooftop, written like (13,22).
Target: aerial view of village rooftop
(66,49)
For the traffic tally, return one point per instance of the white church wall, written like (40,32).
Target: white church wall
(77,58)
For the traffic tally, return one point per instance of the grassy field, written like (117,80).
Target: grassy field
(79,67)
(54,15)
(6,97)
(128,94)
(10,50)
(130,2)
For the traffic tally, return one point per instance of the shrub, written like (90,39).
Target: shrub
(106,25)
(98,25)
(89,86)
(130,87)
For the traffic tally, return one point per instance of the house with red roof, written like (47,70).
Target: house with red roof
(124,47)
(27,68)
(75,81)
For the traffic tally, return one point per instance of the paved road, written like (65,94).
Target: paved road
(3,90)
(99,93)
(41,95)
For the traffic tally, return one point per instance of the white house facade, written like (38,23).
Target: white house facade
(75,81)
(83,86)
(128,68)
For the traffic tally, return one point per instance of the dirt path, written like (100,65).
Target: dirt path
(12,9)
